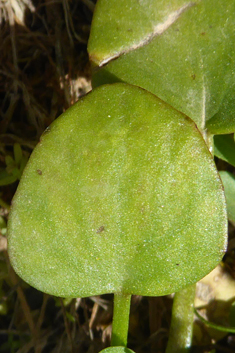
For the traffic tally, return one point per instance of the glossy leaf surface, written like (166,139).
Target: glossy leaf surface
(182,51)
(120,195)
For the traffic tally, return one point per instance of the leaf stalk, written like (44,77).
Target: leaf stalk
(120,319)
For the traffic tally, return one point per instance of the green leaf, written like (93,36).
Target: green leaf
(223,122)
(117,350)
(17,153)
(2,223)
(3,228)
(224,148)
(9,161)
(182,51)
(228,180)
(23,163)
(16,173)
(120,195)
(6,178)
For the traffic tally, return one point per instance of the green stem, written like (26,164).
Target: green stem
(215,326)
(209,139)
(121,313)
(180,336)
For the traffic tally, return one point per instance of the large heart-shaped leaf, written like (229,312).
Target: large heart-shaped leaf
(183,51)
(120,195)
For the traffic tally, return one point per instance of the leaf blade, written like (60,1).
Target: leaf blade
(121,195)
(189,65)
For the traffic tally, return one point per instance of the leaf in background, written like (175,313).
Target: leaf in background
(182,51)
(224,148)
(120,195)
(17,153)
(6,178)
(223,122)
(228,180)
(9,161)
(3,226)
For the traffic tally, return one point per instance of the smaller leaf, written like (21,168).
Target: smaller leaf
(70,317)
(9,161)
(23,163)
(224,148)
(136,42)
(16,173)
(3,226)
(6,179)
(17,153)
(2,223)
(228,180)
(117,350)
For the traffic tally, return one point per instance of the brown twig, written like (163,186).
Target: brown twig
(67,325)
(23,302)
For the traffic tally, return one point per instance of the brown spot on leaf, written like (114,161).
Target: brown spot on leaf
(39,171)
(100,230)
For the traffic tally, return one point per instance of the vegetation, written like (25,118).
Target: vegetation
(121,194)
